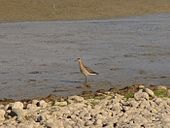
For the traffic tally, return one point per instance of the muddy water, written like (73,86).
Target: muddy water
(37,58)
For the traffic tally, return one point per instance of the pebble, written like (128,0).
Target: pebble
(35,102)
(42,104)
(168,92)
(2,115)
(150,92)
(73,99)
(141,86)
(19,113)
(76,112)
(64,103)
(140,95)
(161,87)
(88,123)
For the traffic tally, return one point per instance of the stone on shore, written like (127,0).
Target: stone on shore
(140,95)
(161,87)
(168,92)
(2,115)
(105,110)
(150,92)
(75,99)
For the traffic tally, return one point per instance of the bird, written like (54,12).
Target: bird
(86,71)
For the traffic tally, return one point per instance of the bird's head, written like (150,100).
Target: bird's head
(78,59)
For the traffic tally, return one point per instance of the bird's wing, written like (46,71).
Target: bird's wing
(90,70)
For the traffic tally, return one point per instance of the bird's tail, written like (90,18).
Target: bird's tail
(95,73)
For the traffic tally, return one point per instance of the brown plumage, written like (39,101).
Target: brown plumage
(86,71)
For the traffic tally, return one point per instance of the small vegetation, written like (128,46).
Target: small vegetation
(161,93)
(129,95)
(94,102)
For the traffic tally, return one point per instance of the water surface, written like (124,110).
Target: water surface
(37,58)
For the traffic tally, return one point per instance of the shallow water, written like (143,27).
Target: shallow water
(37,58)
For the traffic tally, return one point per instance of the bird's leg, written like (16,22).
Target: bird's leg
(86,84)
(85,79)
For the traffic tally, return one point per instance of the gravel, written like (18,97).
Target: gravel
(109,110)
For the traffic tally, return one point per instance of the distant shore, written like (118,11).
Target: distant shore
(41,10)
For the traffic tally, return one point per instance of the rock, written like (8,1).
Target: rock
(19,113)
(134,126)
(133,103)
(8,107)
(64,103)
(35,102)
(17,105)
(168,92)
(125,108)
(73,99)
(39,118)
(55,124)
(97,107)
(125,103)
(98,116)
(141,86)
(52,125)
(28,125)
(118,97)
(42,104)
(32,107)
(130,112)
(124,119)
(88,123)
(106,125)
(168,101)
(108,93)
(86,116)
(158,101)
(144,105)
(116,107)
(115,111)
(2,115)
(2,106)
(101,103)
(9,126)
(165,121)
(161,87)
(141,95)
(15,110)
(139,120)
(150,92)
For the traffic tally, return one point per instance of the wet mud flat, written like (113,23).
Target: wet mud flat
(37,58)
